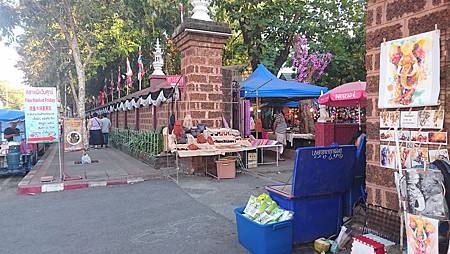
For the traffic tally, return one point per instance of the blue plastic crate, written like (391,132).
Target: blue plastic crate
(275,238)
(314,217)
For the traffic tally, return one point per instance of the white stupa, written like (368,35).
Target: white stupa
(200,10)
(158,61)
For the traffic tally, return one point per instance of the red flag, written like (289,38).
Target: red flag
(119,80)
(129,74)
(111,84)
(141,66)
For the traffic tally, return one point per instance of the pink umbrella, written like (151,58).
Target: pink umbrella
(346,95)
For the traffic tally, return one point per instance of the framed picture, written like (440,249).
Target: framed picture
(386,135)
(419,137)
(409,119)
(419,156)
(438,154)
(387,156)
(404,136)
(405,157)
(389,119)
(410,71)
(437,137)
(431,119)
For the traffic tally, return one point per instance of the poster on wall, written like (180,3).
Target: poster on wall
(409,71)
(431,119)
(387,156)
(408,119)
(438,154)
(73,140)
(421,234)
(419,156)
(41,115)
(404,136)
(437,137)
(386,135)
(389,119)
(420,137)
(405,157)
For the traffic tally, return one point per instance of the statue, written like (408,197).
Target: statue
(324,115)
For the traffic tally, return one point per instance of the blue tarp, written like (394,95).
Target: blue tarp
(269,86)
(7,115)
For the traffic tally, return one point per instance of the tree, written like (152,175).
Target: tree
(10,97)
(266,29)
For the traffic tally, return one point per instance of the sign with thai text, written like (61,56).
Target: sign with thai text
(41,115)
(175,80)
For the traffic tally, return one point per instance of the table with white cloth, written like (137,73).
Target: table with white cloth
(291,136)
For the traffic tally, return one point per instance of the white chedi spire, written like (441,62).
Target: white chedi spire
(201,9)
(158,61)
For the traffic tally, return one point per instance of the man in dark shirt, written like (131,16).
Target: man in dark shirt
(11,132)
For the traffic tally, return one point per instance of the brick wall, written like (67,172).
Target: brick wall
(394,19)
(201,64)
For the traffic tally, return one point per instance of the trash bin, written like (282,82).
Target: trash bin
(274,238)
(320,179)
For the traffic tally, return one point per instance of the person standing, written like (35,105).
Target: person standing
(280,128)
(95,131)
(106,128)
(11,132)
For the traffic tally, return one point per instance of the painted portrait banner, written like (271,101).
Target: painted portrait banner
(421,234)
(73,139)
(409,71)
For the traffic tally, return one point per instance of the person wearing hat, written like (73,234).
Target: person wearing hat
(11,132)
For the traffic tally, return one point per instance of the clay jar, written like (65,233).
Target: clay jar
(178,129)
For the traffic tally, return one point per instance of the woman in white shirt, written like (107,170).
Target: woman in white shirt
(95,131)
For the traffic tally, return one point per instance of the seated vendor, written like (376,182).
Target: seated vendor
(11,132)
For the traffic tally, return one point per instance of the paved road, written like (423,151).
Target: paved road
(150,217)
(8,186)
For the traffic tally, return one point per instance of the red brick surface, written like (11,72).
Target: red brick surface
(393,19)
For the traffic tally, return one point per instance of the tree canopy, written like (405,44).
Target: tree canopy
(109,31)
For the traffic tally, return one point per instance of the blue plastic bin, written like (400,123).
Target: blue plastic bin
(275,238)
(314,217)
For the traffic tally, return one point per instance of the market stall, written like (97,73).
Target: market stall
(345,116)
(15,155)
(267,92)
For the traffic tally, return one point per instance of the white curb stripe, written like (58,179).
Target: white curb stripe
(97,184)
(135,180)
(52,187)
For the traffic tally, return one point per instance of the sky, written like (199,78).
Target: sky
(8,60)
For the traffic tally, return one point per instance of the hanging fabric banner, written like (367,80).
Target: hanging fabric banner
(410,71)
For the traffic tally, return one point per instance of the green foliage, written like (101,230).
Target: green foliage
(10,97)
(264,32)
(150,143)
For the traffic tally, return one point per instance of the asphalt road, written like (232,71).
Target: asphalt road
(149,217)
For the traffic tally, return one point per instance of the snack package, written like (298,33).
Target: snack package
(251,209)
(287,215)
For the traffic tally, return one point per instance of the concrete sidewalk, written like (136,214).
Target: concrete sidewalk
(113,167)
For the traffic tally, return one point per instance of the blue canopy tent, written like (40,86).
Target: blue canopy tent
(7,115)
(263,84)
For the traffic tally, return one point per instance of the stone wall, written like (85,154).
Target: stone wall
(394,19)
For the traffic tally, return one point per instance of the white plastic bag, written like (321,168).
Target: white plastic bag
(85,159)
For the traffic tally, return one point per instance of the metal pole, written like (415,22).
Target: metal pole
(61,178)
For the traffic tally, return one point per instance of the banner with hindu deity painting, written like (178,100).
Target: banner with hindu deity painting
(409,71)
(421,234)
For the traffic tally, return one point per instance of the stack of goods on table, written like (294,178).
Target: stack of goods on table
(206,141)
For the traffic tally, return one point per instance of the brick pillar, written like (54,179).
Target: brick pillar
(393,19)
(201,44)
